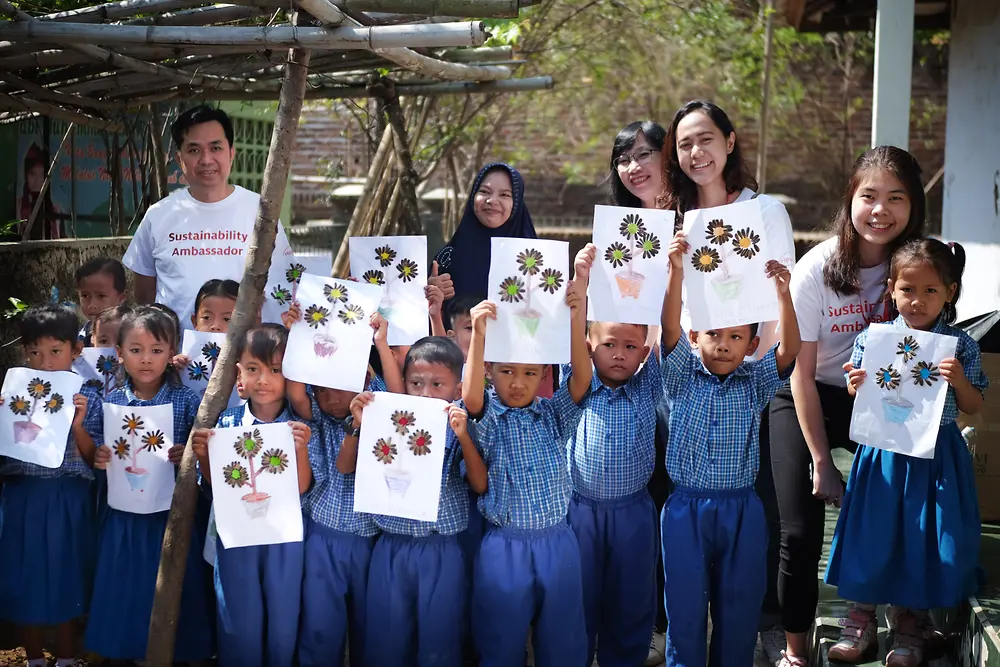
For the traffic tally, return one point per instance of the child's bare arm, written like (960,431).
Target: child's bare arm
(390,369)
(84,441)
(670,318)
(789,341)
(475,468)
(576,299)
(475,368)
(301,434)
(296,394)
(967,395)
(347,457)
(199,445)
(435,303)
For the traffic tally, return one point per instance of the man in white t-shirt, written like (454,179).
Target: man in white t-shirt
(203,231)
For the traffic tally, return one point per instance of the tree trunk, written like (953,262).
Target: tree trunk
(159,190)
(410,217)
(176,539)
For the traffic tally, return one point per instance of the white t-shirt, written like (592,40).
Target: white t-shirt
(183,243)
(781,247)
(830,319)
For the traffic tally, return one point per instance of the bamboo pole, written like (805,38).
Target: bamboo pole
(501,9)
(203,16)
(765,99)
(45,186)
(390,210)
(480,54)
(63,57)
(159,189)
(465,33)
(54,96)
(114,11)
(403,89)
(407,175)
(10,103)
(340,262)
(371,214)
(176,539)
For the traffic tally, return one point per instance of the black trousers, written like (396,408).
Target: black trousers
(802,516)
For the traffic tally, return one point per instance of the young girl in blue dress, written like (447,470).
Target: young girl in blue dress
(129,543)
(908,533)
(47,542)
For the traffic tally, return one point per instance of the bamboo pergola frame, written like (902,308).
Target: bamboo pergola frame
(96,65)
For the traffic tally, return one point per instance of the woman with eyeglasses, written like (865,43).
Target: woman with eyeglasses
(703,167)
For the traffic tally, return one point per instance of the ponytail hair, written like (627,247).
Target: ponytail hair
(947,260)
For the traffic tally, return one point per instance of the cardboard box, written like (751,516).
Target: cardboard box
(987,443)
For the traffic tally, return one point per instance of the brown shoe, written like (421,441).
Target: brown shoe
(907,648)
(858,636)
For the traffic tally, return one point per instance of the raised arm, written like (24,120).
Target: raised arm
(474,382)
(789,341)
(670,318)
(390,369)
(435,302)
(347,457)
(475,467)
(576,298)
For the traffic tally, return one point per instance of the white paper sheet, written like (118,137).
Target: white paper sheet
(399,263)
(282,281)
(725,281)
(140,478)
(527,281)
(400,456)
(330,345)
(37,414)
(629,277)
(203,349)
(255,486)
(899,406)
(98,367)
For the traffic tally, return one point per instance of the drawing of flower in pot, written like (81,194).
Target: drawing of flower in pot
(617,254)
(106,367)
(515,290)
(274,461)
(397,477)
(406,270)
(202,370)
(895,407)
(744,244)
(293,274)
(39,391)
(153,441)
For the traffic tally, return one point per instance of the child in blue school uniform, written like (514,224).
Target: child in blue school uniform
(258,588)
(908,532)
(611,457)
(416,584)
(713,522)
(47,544)
(527,573)
(129,553)
(338,540)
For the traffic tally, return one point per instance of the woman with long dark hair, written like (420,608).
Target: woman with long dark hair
(46,225)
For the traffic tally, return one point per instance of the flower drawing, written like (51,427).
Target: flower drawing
(335,292)
(420,442)
(153,441)
(133,424)
(649,245)
(54,404)
(106,365)
(351,314)
(718,232)
(385,255)
(281,295)
(294,273)
(403,420)
(632,227)
(385,451)
(235,474)
(552,280)
(618,255)
(373,277)
(925,373)
(39,392)
(275,461)
(706,259)
(19,405)
(907,348)
(746,243)
(39,388)
(529,262)
(249,444)
(316,316)
(198,371)
(121,448)
(887,378)
(512,290)
(211,352)
(407,269)
(96,385)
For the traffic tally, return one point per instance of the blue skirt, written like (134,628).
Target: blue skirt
(128,559)
(46,549)
(909,530)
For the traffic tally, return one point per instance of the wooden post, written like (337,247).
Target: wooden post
(159,190)
(407,176)
(177,537)
(765,98)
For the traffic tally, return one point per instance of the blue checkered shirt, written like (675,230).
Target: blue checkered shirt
(453,507)
(612,451)
(184,401)
(73,464)
(330,501)
(714,441)
(377,383)
(967,353)
(525,454)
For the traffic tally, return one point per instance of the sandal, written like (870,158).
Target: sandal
(858,636)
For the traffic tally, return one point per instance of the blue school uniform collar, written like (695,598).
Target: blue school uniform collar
(742,370)
(249,419)
(939,325)
(500,408)
(160,398)
(629,387)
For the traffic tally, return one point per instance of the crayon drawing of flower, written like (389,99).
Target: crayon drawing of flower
(617,254)
(54,404)
(198,371)
(529,262)
(420,442)
(512,290)
(235,474)
(39,388)
(351,314)
(19,405)
(121,448)
(153,441)
(385,255)
(211,352)
(403,420)
(275,461)
(407,269)
(133,424)
(373,277)
(281,295)
(385,451)
(106,365)
(746,243)
(907,348)
(316,316)
(294,273)
(706,259)
(335,292)
(552,280)
(718,232)
(925,373)
(649,245)
(249,444)
(887,377)
(632,227)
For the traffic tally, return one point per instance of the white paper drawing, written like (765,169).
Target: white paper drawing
(255,486)
(37,413)
(527,281)
(399,263)
(629,277)
(400,456)
(282,285)
(98,366)
(329,346)
(899,406)
(140,478)
(725,281)
(203,349)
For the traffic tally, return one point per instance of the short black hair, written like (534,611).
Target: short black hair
(51,320)
(114,313)
(263,342)
(172,314)
(645,327)
(107,265)
(460,305)
(196,116)
(753,329)
(216,287)
(436,350)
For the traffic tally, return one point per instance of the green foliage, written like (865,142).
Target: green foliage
(17,308)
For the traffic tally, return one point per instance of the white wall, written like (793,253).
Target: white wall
(971,213)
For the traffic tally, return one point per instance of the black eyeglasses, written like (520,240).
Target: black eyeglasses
(641,158)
